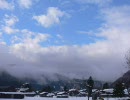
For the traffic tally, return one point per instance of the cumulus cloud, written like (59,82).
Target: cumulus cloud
(25,3)
(116,27)
(52,17)
(6,5)
(11,20)
(29,41)
(104,59)
(9,23)
(9,30)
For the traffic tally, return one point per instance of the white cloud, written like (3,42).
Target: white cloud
(25,3)
(98,2)
(9,30)
(5,5)
(52,17)
(103,59)
(117,24)
(29,41)
(2,43)
(34,36)
(9,24)
(10,20)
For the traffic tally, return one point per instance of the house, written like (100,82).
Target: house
(11,95)
(106,92)
(73,92)
(62,95)
(82,94)
(43,94)
(27,90)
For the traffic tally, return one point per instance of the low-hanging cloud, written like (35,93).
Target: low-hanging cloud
(104,59)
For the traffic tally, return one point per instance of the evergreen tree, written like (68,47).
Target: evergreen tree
(84,84)
(118,90)
(47,89)
(90,83)
(105,86)
(65,89)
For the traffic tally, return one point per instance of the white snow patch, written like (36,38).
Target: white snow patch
(70,98)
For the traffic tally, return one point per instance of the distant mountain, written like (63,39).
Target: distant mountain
(8,80)
(124,79)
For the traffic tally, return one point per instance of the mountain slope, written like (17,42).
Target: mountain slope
(8,80)
(124,79)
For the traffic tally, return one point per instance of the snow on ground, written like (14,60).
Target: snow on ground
(70,98)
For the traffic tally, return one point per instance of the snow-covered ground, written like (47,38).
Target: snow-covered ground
(70,98)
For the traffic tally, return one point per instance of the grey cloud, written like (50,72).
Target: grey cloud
(104,59)
(77,62)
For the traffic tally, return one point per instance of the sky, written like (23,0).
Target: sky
(74,38)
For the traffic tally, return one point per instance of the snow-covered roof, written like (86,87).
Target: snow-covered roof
(18,92)
(93,90)
(23,89)
(43,92)
(60,93)
(29,93)
(126,91)
(108,90)
(72,90)
(11,92)
(50,94)
(82,90)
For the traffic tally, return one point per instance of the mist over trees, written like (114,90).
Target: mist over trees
(47,89)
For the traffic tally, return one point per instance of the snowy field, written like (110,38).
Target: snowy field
(70,98)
